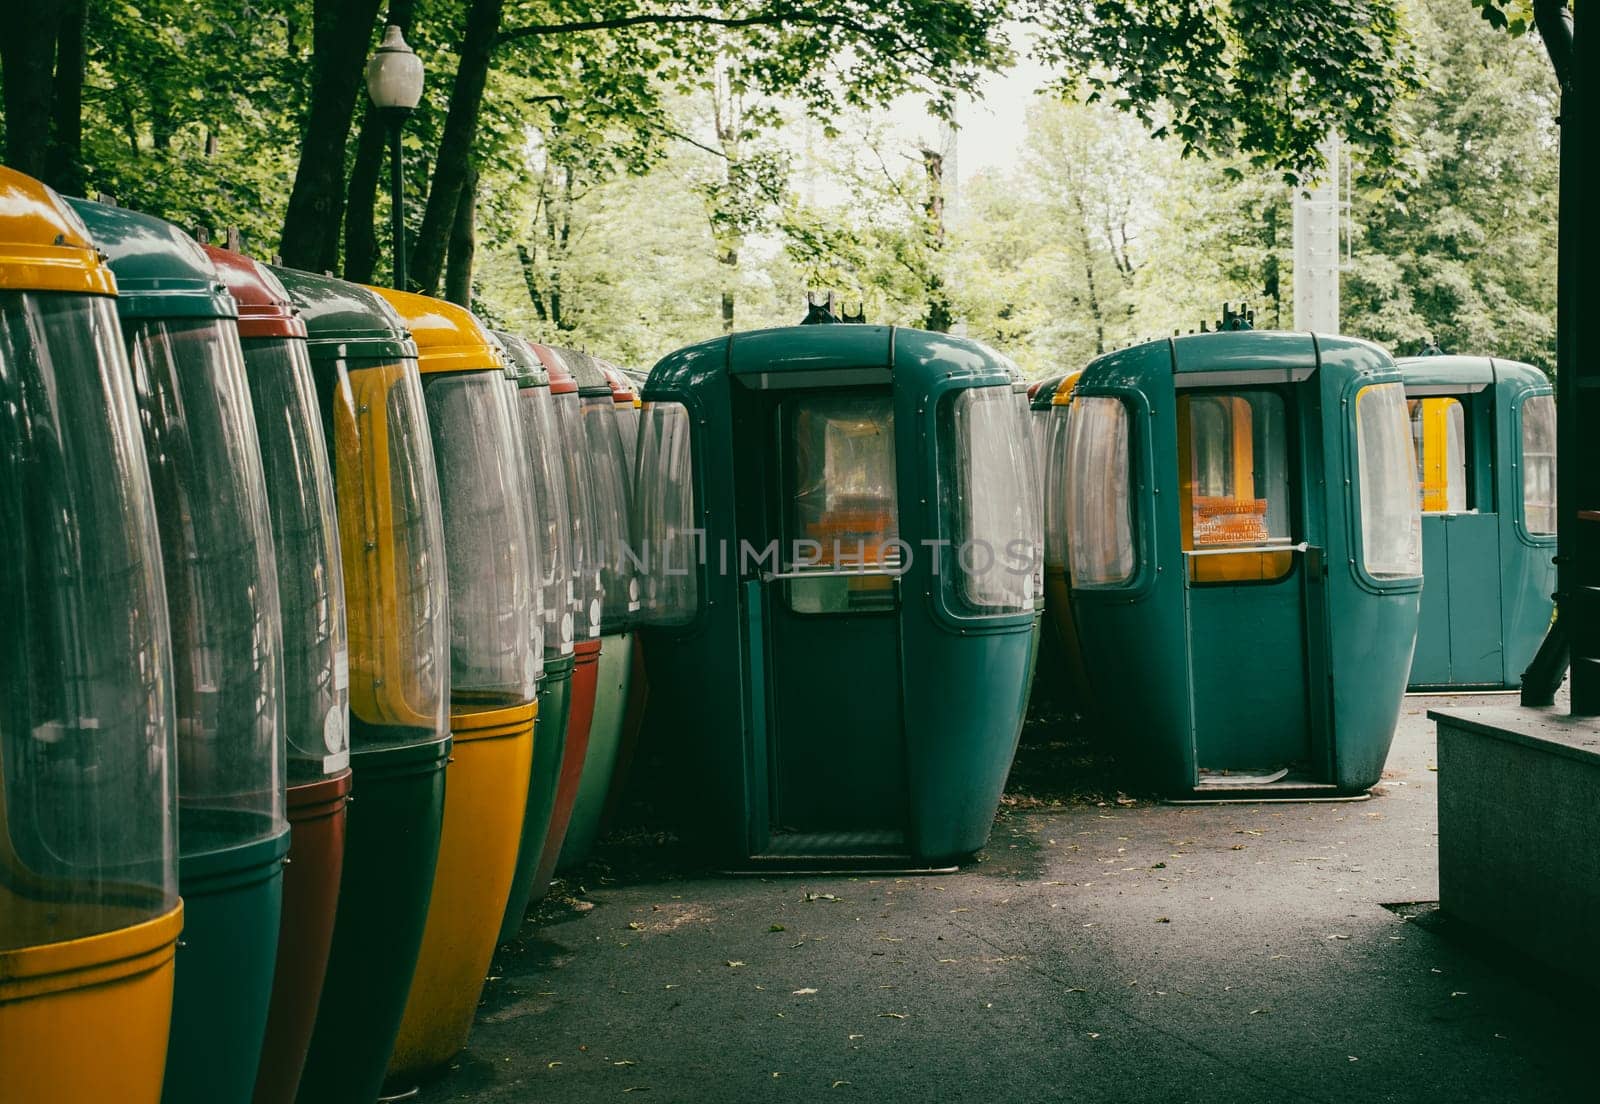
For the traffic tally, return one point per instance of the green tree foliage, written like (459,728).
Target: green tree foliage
(1464,253)
(1104,235)
(1260,78)
(631,171)
(190,109)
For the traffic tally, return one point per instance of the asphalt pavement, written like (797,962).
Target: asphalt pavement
(1104,951)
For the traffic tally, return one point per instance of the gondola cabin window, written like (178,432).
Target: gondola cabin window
(1539,465)
(1438,433)
(665,517)
(1100,549)
(1233,453)
(843,522)
(992,498)
(1391,524)
(1055,489)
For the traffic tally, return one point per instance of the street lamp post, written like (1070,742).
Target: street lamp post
(394,81)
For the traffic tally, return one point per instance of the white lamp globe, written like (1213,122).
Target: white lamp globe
(394,73)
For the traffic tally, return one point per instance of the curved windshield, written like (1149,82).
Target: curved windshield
(1039,423)
(1033,472)
(294,459)
(86,727)
(585,545)
(991,498)
(392,541)
(1386,467)
(664,505)
(485,539)
(530,536)
(608,477)
(550,519)
(222,583)
(628,428)
(1055,489)
(1538,437)
(1099,508)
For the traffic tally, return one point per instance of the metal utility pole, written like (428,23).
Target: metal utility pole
(1317,260)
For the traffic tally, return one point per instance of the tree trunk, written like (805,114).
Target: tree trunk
(730,261)
(340,36)
(65,171)
(451,165)
(530,280)
(939,316)
(463,243)
(366,171)
(27,53)
(1088,276)
(361,202)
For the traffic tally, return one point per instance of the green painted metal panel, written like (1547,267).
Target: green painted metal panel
(1249,670)
(1244,351)
(1472,543)
(346,320)
(1430,666)
(391,851)
(754,799)
(549,747)
(838,753)
(1447,371)
(161,271)
(605,738)
(810,348)
(232,905)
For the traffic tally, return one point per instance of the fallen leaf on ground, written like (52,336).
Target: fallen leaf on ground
(734,963)
(777,928)
(802,992)
(891,1015)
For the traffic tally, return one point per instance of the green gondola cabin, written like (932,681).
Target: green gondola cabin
(1484,432)
(1241,533)
(842,661)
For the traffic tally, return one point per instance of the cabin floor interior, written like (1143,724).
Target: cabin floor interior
(1102,948)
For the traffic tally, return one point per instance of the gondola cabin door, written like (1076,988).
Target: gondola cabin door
(1459,637)
(818,521)
(1255,580)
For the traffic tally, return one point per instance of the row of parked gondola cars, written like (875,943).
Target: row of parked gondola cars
(291,565)
(1243,492)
